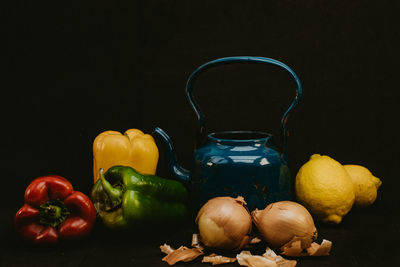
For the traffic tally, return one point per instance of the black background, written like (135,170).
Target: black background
(74,70)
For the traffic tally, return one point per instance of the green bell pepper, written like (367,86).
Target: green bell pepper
(125,198)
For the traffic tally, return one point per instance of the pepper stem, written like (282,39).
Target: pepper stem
(53,213)
(114,194)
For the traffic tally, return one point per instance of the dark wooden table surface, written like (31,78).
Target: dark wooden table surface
(365,238)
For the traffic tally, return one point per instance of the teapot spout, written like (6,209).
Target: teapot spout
(179,172)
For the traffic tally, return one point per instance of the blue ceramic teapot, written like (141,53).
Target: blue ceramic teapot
(235,163)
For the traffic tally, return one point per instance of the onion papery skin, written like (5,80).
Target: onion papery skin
(224,223)
(281,221)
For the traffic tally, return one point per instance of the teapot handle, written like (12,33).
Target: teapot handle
(201,130)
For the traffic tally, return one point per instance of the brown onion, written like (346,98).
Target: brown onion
(283,221)
(225,223)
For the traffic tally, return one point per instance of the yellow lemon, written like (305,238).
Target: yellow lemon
(365,185)
(325,188)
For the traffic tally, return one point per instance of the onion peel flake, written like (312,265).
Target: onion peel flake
(269,259)
(320,250)
(196,241)
(294,248)
(167,249)
(181,254)
(255,240)
(215,259)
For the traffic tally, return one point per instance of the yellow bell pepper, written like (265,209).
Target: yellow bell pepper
(133,148)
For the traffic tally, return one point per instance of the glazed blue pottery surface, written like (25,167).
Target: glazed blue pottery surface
(236,163)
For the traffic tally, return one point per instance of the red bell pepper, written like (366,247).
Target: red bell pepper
(53,210)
